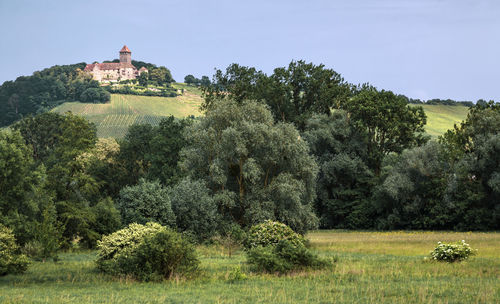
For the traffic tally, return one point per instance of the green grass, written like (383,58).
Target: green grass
(441,118)
(371,267)
(113,119)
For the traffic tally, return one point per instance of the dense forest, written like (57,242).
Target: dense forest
(301,146)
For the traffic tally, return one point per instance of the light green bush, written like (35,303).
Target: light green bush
(284,257)
(270,233)
(146,252)
(121,242)
(452,252)
(10,260)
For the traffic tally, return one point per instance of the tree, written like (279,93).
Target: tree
(153,152)
(205,81)
(17,179)
(146,202)
(345,182)
(256,169)
(190,79)
(411,195)
(166,144)
(195,209)
(292,93)
(390,123)
(473,150)
(143,79)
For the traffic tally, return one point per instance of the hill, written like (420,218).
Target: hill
(441,118)
(113,119)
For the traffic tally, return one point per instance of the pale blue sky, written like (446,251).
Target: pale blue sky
(423,49)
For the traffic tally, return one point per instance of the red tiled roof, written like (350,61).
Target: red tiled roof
(125,50)
(143,69)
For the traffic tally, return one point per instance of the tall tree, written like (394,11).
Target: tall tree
(345,182)
(256,169)
(391,124)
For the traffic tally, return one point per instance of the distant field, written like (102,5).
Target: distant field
(114,118)
(371,267)
(441,118)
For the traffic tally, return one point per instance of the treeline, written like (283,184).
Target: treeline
(47,89)
(300,146)
(446,102)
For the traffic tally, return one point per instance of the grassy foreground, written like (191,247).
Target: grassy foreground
(371,267)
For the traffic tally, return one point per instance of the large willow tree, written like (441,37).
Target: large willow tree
(256,169)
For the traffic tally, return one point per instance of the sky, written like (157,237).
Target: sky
(423,49)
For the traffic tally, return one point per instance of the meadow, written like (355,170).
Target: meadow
(370,267)
(441,118)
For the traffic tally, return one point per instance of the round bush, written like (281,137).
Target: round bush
(163,254)
(269,233)
(452,252)
(146,202)
(146,252)
(10,260)
(283,258)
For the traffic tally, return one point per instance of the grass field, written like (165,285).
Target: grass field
(371,267)
(114,118)
(441,118)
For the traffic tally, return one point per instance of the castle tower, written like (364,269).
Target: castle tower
(125,55)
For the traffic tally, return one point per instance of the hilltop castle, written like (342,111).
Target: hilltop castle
(115,71)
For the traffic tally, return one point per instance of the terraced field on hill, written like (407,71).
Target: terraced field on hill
(114,118)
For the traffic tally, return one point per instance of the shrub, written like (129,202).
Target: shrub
(160,255)
(270,233)
(146,252)
(146,202)
(283,257)
(10,260)
(120,242)
(452,252)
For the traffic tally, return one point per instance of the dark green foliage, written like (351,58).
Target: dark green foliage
(412,192)
(95,95)
(59,143)
(44,90)
(190,79)
(256,170)
(146,202)
(345,182)
(166,144)
(390,124)
(284,257)
(47,235)
(270,233)
(10,259)
(22,193)
(292,94)
(153,152)
(473,150)
(195,210)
